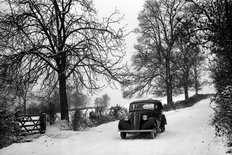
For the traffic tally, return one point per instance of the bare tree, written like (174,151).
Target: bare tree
(190,62)
(13,86)
(189,57)
(101,103)
(158,22)
(77,98)
(60,41)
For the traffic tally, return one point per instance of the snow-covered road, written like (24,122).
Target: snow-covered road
(188,133)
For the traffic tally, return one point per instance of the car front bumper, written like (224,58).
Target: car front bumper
(134,131)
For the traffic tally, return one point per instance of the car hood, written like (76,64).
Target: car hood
(136,117)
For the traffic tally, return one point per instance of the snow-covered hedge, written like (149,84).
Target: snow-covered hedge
(80,121)
(223,113)
(8,127)
(186,103)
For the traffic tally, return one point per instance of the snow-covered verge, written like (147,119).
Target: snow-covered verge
(188,132)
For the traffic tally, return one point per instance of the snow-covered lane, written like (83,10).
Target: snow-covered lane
(188,132)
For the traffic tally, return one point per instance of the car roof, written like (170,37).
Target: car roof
(147,101)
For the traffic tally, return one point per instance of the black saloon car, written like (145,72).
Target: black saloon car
(145,116)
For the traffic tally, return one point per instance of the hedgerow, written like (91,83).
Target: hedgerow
(223,114)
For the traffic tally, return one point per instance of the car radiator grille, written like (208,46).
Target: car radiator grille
(135,121)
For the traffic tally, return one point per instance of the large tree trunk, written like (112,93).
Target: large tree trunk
(63,97)
(24,106)
(196,80)
(169,83)
(186,83)
(62,87)
(196,88)
(169,94)
(186,95)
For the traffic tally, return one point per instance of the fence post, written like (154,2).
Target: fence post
(42,120)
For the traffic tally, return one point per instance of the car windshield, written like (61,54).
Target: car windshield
(142,106)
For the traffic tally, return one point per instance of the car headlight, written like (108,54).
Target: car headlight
(155,107)
(126,118)
(145,117)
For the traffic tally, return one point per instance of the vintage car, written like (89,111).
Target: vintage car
(145,116)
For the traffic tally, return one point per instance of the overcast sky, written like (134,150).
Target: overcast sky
(130,10)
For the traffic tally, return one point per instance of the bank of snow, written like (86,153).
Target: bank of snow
(188,132)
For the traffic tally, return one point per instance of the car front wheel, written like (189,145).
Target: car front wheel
(123,135)
(153,134)
(162,129)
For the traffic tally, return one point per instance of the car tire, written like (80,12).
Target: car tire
(123,135)
(162,129)
(153,134)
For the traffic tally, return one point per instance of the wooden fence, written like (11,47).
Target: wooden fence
(32,123)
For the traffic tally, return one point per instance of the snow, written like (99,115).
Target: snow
(188,132)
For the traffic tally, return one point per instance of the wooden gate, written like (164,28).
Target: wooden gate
(32,123)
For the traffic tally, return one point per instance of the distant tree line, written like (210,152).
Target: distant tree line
(102,103)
